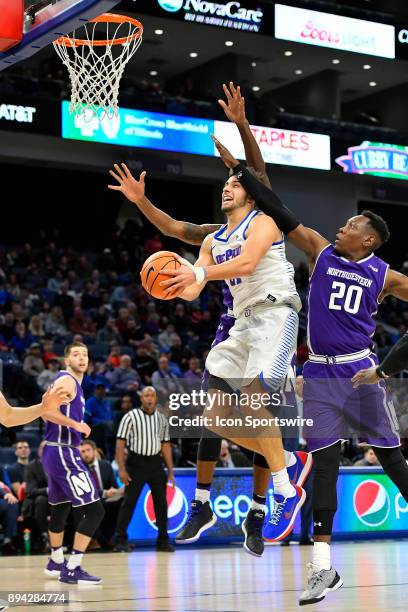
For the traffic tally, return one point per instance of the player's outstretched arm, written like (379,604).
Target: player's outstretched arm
(395,361)
(10,416)
(304,238)
(234,109)
(134,190)
(396,284)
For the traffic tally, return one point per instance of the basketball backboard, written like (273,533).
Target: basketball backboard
(47,20)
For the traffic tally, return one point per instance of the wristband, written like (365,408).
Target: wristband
(381,373)
(199,274)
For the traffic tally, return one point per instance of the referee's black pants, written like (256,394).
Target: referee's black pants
(150,471)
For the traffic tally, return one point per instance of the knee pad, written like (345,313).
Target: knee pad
(59,516)
(326,470)
(219,384)
(88,518)
(209,448)
(260,461)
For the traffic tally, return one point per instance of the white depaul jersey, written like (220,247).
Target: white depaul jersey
(273,278)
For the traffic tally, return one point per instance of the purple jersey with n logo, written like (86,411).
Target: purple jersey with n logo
(74,410)
(342,302)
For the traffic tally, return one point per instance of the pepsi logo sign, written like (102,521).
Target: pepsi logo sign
(371,503)
(177,509)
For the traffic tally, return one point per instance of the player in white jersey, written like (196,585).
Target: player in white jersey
(249,254)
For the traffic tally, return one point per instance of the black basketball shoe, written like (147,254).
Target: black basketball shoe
(252,528)
(200,519)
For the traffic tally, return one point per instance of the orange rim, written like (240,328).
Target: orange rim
(66,41)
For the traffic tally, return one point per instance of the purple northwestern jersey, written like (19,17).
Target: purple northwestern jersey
(227,298)
(74,410)
(342,301)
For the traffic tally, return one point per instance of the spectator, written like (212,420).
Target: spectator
(126,404)
(125,378)
(16,470)
(152,245)
(99,416)
(144,362)
(48,352)
(55,324)
(105,483)
(165,337)
(36,327)
(114,355)
(178,353)
(8,518)
(35,504)
(181,320)
(22,339)
(194,373)
(47,376)
(133,334)
(8,328)
(122,320)
(79,323)
(369,459)
(109,333)
(164,381)
(33,363)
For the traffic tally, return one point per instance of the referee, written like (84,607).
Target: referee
(145,433)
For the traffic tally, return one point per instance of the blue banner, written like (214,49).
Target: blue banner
(138,128)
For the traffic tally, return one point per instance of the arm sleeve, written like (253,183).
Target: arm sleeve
(397,358)
(267,200)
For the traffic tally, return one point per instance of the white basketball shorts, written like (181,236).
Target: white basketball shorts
(261,344)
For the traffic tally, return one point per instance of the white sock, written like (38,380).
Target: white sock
(290,458)
(74,560)
(202,495)
(256,506)
(321,556)
(57,555)
(281,484)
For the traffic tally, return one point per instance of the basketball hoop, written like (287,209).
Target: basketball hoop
(96,62)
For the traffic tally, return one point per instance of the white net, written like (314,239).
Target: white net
(96,62)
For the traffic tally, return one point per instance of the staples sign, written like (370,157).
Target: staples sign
(284,147)
(334,31)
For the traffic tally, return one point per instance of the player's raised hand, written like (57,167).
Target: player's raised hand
(226,156)
(365,377)
(133,189)
(234,108)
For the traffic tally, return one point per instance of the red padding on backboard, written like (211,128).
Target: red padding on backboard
(11,23)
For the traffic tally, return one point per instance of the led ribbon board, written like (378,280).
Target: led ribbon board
(334,31)
(377,159)
(160,131)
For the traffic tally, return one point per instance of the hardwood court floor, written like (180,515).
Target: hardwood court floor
(224,580)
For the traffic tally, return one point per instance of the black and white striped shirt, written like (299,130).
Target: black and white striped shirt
(144,433)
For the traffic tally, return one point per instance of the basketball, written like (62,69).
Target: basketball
(151,276)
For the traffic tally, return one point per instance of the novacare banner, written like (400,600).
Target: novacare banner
(334,31)
(160,131)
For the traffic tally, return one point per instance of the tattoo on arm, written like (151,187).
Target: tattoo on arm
(195,234)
